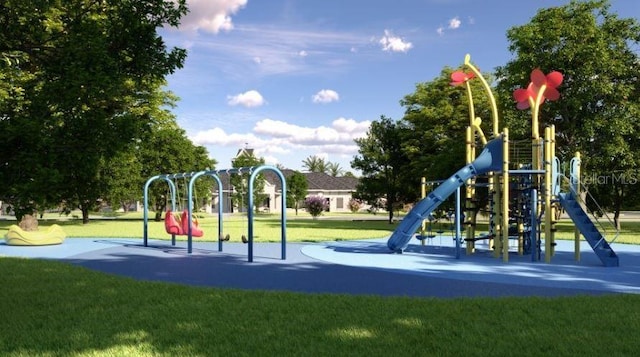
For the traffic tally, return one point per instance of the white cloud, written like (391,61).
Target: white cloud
(440,30)
(342,132)
(303,53)
(326,96)
(247,99)
(271,138)
(211,15)
(454,23)
(217,136)
(257,60)
(393,43)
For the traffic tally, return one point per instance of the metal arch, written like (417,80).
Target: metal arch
(172,188)
(283,208)
(212,173)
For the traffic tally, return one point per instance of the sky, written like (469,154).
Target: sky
(293,79)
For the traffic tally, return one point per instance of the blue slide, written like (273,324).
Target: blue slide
(490,159)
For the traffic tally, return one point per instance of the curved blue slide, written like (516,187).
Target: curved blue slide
(490,159)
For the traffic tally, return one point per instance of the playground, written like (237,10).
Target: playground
(524,189)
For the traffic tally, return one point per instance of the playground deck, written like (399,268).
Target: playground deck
(349,267)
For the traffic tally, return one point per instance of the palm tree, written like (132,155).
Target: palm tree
(334,169)
(314,164)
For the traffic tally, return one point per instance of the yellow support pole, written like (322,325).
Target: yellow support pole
(496,242)
(492,100)
(423,187)
(548,239)
(470,191)
(576,232)
(505,195)
(552,157)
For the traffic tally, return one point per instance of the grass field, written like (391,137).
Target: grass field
(51,308)
(301,228)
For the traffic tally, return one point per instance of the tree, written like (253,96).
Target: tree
(83,69)
(436,116)
(297,187)
(334,169)
(165,150)
(315,164)
(599,107)
(240,182)
(381,160)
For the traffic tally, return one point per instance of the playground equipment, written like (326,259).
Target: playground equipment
(17,236)
(524,183)
(187,226)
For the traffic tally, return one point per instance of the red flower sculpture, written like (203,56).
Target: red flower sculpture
(460,77)
(548,83)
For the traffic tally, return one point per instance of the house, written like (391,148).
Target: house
(337,191)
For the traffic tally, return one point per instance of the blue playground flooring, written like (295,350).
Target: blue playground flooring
(351,267)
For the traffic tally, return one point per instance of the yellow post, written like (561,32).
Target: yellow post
(496,219)
(505,195)
(470,191)
(423,187)
(548,239)
(576,233)
(552,157)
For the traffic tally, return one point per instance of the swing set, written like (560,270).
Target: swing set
(187,224)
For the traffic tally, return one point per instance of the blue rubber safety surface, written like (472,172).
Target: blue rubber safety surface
(351,267)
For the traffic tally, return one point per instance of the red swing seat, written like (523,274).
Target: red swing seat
(195,229)
(171,224)
(180,225)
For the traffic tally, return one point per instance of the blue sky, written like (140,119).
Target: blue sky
(297,78)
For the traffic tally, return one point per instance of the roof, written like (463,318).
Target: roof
(316,181)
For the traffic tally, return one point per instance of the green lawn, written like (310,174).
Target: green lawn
(50,308)
(55,309)
(301,228)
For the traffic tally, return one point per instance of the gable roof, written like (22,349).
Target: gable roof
(316,181)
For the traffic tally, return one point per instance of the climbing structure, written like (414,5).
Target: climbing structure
(525,185)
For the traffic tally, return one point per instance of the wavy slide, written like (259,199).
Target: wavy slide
(490,159)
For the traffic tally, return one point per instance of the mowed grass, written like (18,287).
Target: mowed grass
(267,228)
(56,309)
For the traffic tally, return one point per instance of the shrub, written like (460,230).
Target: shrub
(315,205)
(355,205)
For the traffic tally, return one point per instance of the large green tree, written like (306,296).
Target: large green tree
(79,69)
(382,161)
(166,149)
(297,189)
(437,115)
(599,107)
(240,182)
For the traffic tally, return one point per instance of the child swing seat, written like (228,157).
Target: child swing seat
(180,225)
(195,228)
(171,224)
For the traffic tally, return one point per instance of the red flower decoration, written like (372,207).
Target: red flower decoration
(460,77)
(539,80)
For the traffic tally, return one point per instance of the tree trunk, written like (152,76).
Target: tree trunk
(85,214)
(390,210)
(617,206)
